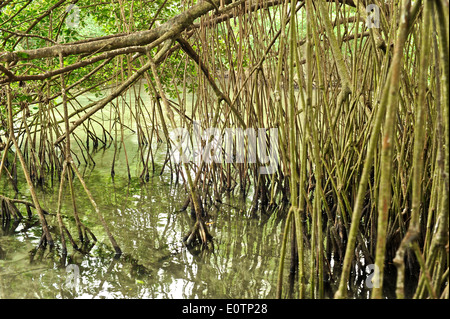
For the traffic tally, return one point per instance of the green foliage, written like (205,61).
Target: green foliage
(95,20)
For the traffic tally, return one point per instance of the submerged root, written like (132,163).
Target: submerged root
(86,241)
(198,235)
(9,211)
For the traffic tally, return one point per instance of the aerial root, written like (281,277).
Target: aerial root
(8,209)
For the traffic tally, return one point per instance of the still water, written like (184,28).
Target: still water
(148,226)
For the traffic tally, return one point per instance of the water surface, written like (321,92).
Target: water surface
(148,226)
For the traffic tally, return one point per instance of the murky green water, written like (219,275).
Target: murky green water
(148,226)
(145,221)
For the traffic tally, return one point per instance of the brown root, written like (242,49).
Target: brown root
(198,235)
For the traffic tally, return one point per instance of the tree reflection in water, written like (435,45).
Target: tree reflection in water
(146,221)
